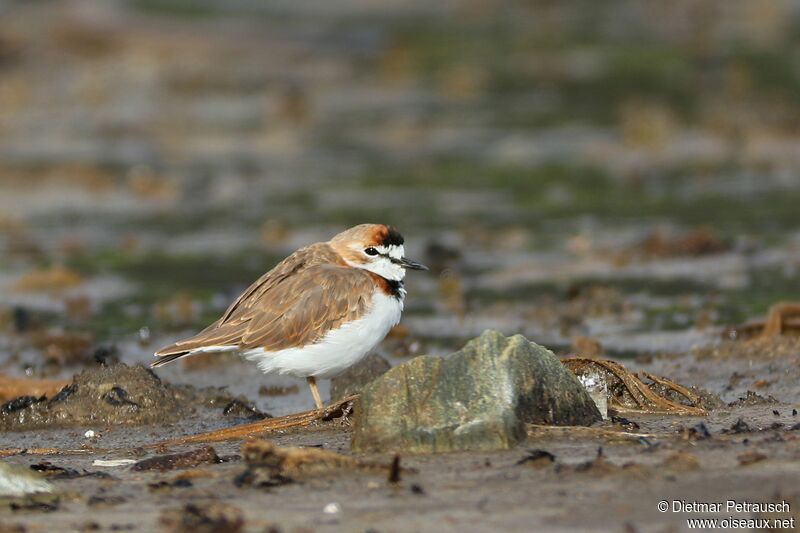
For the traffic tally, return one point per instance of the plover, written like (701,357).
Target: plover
(318,312)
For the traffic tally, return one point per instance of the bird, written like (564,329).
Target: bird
(317,312)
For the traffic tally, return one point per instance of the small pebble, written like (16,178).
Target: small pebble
(332,508)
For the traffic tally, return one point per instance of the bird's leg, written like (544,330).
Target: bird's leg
(312,384)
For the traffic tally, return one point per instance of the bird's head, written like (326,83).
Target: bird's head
(377,248)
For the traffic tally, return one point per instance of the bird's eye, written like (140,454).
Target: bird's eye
(371,251)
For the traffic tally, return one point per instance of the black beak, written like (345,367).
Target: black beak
(409,264)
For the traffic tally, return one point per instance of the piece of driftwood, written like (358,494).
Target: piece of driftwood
(253,429)
(11,388)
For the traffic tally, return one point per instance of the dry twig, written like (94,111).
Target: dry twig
(8,452)
(306,418)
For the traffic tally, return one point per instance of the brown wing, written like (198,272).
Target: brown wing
(304,258)
(294,304)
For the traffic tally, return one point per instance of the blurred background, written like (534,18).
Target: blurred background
(622,171)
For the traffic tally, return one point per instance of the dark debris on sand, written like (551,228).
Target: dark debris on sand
(752,398)
(208,518)
(52,471)
(113,395)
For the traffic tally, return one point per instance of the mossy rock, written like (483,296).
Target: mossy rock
(478,398)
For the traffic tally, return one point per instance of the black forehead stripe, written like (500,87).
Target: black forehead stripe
(392,237)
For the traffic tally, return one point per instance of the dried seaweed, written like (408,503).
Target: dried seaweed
(628,393)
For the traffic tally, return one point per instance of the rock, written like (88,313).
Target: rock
(20,481)
(243,409)
(190,459)
(358,376)
(479,398)
(51,471)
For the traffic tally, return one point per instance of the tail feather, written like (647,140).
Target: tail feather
(168,358)
(180,349)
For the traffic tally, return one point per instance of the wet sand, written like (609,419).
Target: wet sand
(452,492)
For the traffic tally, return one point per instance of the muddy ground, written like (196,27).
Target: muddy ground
(602,178)
(452,492)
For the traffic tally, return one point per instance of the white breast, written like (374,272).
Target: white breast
(339,349)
